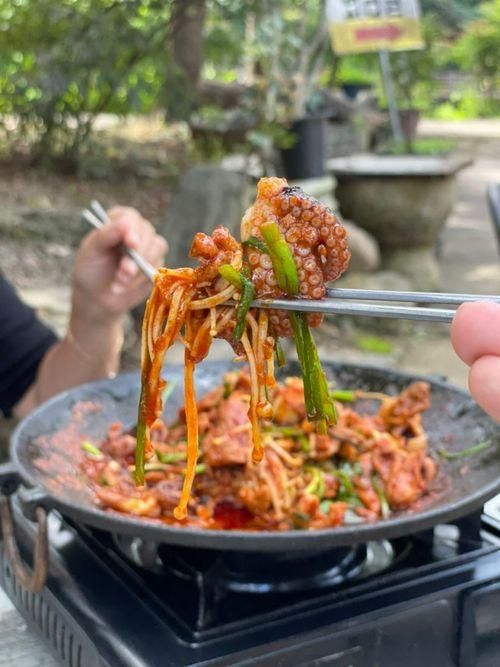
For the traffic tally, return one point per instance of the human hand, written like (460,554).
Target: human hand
(475,335)
(107,283)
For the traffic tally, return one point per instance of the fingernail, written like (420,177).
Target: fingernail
(117,289)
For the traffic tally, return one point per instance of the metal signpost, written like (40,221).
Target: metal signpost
(363,26)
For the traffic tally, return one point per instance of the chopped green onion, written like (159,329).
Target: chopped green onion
(385,510)
(325,505)
(280,354)
(247,295)
(163,467)
(247,290)
(287,431)
(141,434)
(258,244)
(464,453)
(156,467)
(305,445)
(319,404)
(230,274)
(171,457)
(344,473)
(284,267)
(167,392)
(300,520)
(350,498)
(92,449)
(306,374)
(316,486)
(343,395)
(346,485)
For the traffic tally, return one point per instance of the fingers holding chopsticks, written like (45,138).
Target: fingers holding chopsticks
(475,335)
(105,277)
(137,234)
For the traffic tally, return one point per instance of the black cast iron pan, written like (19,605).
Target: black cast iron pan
(453,421)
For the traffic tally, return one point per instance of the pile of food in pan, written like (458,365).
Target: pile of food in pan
(363,468)
(255,453)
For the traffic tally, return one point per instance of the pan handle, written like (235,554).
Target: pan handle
(31,580)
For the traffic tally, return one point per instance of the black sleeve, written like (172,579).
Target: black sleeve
(24,340)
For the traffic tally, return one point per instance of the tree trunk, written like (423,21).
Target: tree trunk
(186,57)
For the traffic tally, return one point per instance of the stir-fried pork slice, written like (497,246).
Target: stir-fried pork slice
(229,442)
(413,400)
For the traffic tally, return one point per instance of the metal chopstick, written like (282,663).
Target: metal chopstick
(97,218)
(329,306)
(416,297)
(336,301)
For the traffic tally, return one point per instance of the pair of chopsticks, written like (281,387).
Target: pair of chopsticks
(337,299)
(96,216)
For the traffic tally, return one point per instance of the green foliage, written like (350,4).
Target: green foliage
(414,72)
(62,63)
(478,51)
(374,344)
(277,50)
(289,44)
(422,147)
(452,14)
(359,69)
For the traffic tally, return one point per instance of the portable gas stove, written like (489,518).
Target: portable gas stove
(432,599)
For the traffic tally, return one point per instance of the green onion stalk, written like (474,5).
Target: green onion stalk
(385,509)
(280,354)
(465,453)
(319,404)
(247,290)
(256,244)
(343,395)
(90,448)
(142,429)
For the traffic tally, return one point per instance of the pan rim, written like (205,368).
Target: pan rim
(241,540)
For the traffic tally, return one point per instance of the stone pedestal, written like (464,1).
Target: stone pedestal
(418,264)
(404,201)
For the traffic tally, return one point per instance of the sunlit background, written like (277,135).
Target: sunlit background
(176,107)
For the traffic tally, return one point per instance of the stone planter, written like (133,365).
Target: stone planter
(404,202)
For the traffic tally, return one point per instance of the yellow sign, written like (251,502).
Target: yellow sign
(354,29)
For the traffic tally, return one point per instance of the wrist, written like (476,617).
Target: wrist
(87,309)
(96,341)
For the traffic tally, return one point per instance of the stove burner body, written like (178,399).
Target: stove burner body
(431,599)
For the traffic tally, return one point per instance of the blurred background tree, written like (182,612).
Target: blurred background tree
(62,63)
(238,68)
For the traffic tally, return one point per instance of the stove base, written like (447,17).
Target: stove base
(98,610)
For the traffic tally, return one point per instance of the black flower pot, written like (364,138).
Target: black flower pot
(306,158)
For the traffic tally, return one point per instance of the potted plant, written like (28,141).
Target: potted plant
(415,82)
(404,193)
(290,49)
(355,73)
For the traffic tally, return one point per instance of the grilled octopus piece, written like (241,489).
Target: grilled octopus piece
(314,234)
